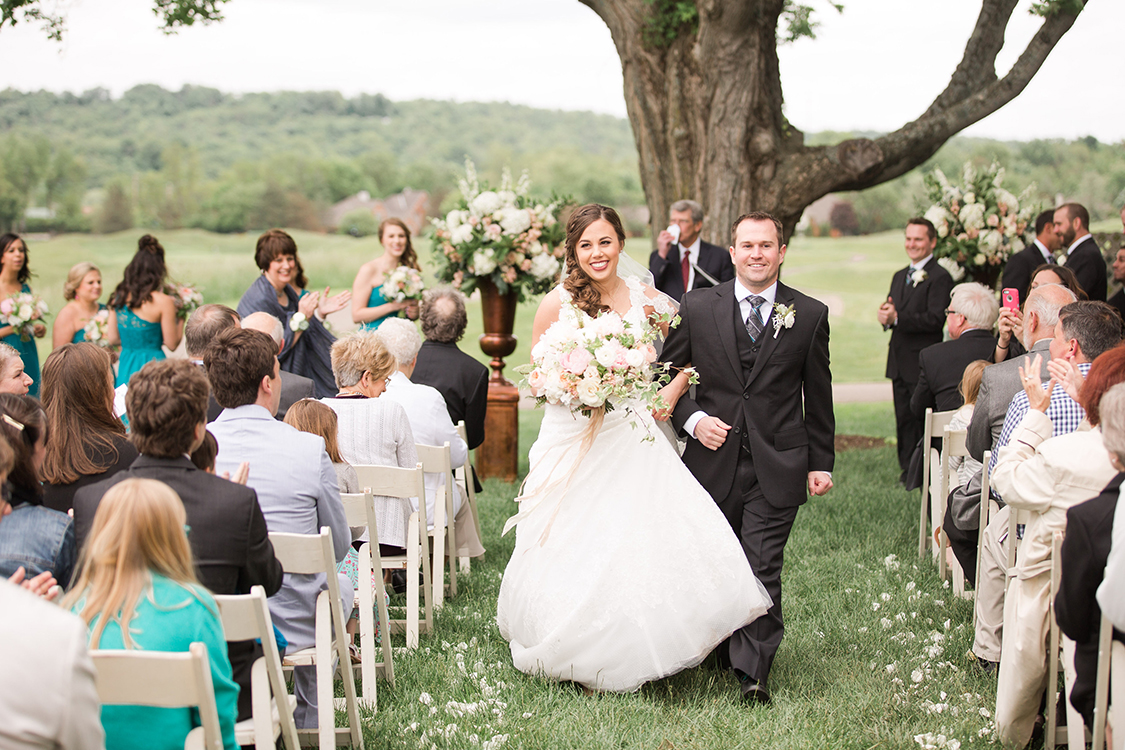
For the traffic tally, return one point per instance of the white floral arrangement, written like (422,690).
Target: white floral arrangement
(979,223)
(403,283)
(22,311)
(185,296)
(501,235)
(96,330)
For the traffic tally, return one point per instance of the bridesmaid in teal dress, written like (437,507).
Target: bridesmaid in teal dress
(83,290)
(369,307)
(14,273)
(144,317)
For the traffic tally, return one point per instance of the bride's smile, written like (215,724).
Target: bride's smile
(597,250)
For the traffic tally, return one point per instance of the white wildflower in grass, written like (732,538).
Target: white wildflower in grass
(985,712)
(890,561)
(425,698)
(910,586)
(892,667)
(527,715)
(863,630)
(875,606)
(885,596)
(901,617)
(916,676)
(886,623)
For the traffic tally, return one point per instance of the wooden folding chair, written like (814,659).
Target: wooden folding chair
(164,680)
(934,425)
(371,592)
(309,554)
(392,481)
(1074,734)
(463,475)
(247,617)
(952,444)
(436,460)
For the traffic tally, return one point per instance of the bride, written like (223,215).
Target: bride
(624,571)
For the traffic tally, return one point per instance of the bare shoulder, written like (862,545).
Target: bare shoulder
(549,306)
(365,272)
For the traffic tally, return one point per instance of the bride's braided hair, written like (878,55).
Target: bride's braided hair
(577,283)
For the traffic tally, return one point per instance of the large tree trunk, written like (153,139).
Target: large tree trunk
(707,114)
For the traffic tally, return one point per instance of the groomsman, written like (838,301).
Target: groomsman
(915,315)
(1118,268)
(1018,269)
(687,262)
(1082,255)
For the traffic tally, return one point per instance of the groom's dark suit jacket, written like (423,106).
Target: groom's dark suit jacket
(782,410)
(668,274)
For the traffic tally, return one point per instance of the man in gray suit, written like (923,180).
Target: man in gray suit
(294,387)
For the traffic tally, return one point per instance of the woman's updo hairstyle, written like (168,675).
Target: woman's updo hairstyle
(144,275)
(74,278)
(576,282)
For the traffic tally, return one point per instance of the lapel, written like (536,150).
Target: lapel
(722,308)
(784,297)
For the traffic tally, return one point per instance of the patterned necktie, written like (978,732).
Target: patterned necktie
(754,324)
(685,267)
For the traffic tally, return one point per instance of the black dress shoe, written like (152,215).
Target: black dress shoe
(754,691)
(984,666)
(398,581)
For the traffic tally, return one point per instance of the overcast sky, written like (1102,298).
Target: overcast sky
(874,67)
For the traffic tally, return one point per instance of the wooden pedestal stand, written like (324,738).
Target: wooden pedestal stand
(498,455)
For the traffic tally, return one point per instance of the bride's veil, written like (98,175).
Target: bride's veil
(627,268)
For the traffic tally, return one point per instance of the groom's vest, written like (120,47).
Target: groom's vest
(747,354)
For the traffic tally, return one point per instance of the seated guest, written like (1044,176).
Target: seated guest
(137,590)
(429,421)
(964,502)
(34,538)
(205,323)
(203,457)
(293,386)
(1085,550)
(460,378)
(290,471)
(1044,275)
(88,442)
(58,708)
(317,419)
(12,377)
(167,401)
(1045,476)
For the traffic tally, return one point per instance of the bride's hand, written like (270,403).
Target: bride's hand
(670,395)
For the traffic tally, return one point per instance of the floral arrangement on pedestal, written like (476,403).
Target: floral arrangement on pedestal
(979,223)
(502,236)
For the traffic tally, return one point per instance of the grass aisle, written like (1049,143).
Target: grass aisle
(873,653)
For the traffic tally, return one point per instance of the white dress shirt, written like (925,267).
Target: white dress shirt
(1048,256)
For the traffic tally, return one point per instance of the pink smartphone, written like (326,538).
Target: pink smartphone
(1010,298)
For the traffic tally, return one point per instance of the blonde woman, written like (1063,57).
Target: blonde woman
(83,290)
(136,589)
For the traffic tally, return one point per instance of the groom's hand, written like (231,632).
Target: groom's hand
(819,482)
(712,432)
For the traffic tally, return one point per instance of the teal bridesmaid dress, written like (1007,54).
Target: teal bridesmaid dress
(141,343)
(80,334)
(29,353)
(375,300)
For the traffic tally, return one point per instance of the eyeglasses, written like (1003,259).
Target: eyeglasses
(951,311)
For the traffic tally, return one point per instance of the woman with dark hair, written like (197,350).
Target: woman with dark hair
(308,343)
(369,306)
(1048,273)
(144,316)
(88,442)
(32,537)
(14,275)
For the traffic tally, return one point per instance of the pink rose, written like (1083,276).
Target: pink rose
(7,306)
(510,274)
(993,220)
(650,353)
(535,381)
(577,361)
(525,266)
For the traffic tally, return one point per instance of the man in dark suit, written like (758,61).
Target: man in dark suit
(294,387)
(207,322)
(167,403)
(915,314)
(761,424)
(1117,300)
(971,314)
(1018,269)
(1080,253)
(459,377)
(686,262)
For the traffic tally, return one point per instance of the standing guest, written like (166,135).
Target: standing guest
(207,322)
(88,442)
(684,263)
(13,377)
(369,307)
(137,590)
(83,290)
(915,314)
(460,379)
(33,538)
(1019,268)
(144,316)
(1118,268)
(1082,254)
(293,386)
(307,344)
(292,474)
(14,275)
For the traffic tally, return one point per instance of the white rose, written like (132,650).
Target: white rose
(591,372)
(972,216)
(483,262)
(454,219)
(937,215)
(554,387)
(970,198)
(953,267)
(606,354)
(25,311)
(544,266)
(789,319)
(461,234)
(588,392)
(981,259)
(486,203)
(634,358)
(515,221)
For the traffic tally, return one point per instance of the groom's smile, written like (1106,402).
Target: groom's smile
(757,254)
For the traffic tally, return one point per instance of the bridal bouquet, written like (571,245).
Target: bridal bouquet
(502,236)
(22,311)
(97,329)
(186,297)
(403,283)
(979,223)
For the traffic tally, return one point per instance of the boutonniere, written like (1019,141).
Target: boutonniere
(1062,259)
(784,316)
(918,276)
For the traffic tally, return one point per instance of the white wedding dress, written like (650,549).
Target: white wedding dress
(624,571)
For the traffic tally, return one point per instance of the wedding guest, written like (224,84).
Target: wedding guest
(307,342)
(49,699)
(13,377)
(83,290)
(137,590)
(87,442)
(144,317)
(1019,267)
(14,275)
(315,418)
(292,474)
(1011,347)
(33,537)
(293,387)
(207,322)
(369,307)
(915,314)
(167,403)
(685,262)
(460,378)
(1082,255)
(1118,269)
(961,500)
(203,457)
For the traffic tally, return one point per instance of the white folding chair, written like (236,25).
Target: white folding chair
(1107,652)
(360,510)
(1117,684)
(1074,734)
(463,475)
(164,680)
(952,444)
(988,508)
(436,460)
(309,554)
(247,617)
(392,481)
(934,425)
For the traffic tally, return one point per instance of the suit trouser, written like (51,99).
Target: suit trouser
(962,542)
(763,531)
(908,428)
(989,611)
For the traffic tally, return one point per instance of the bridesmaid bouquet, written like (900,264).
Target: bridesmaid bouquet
(22,311)
(404,283)
(186,297)
(97,329)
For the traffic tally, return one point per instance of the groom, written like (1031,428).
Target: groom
(761,423)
